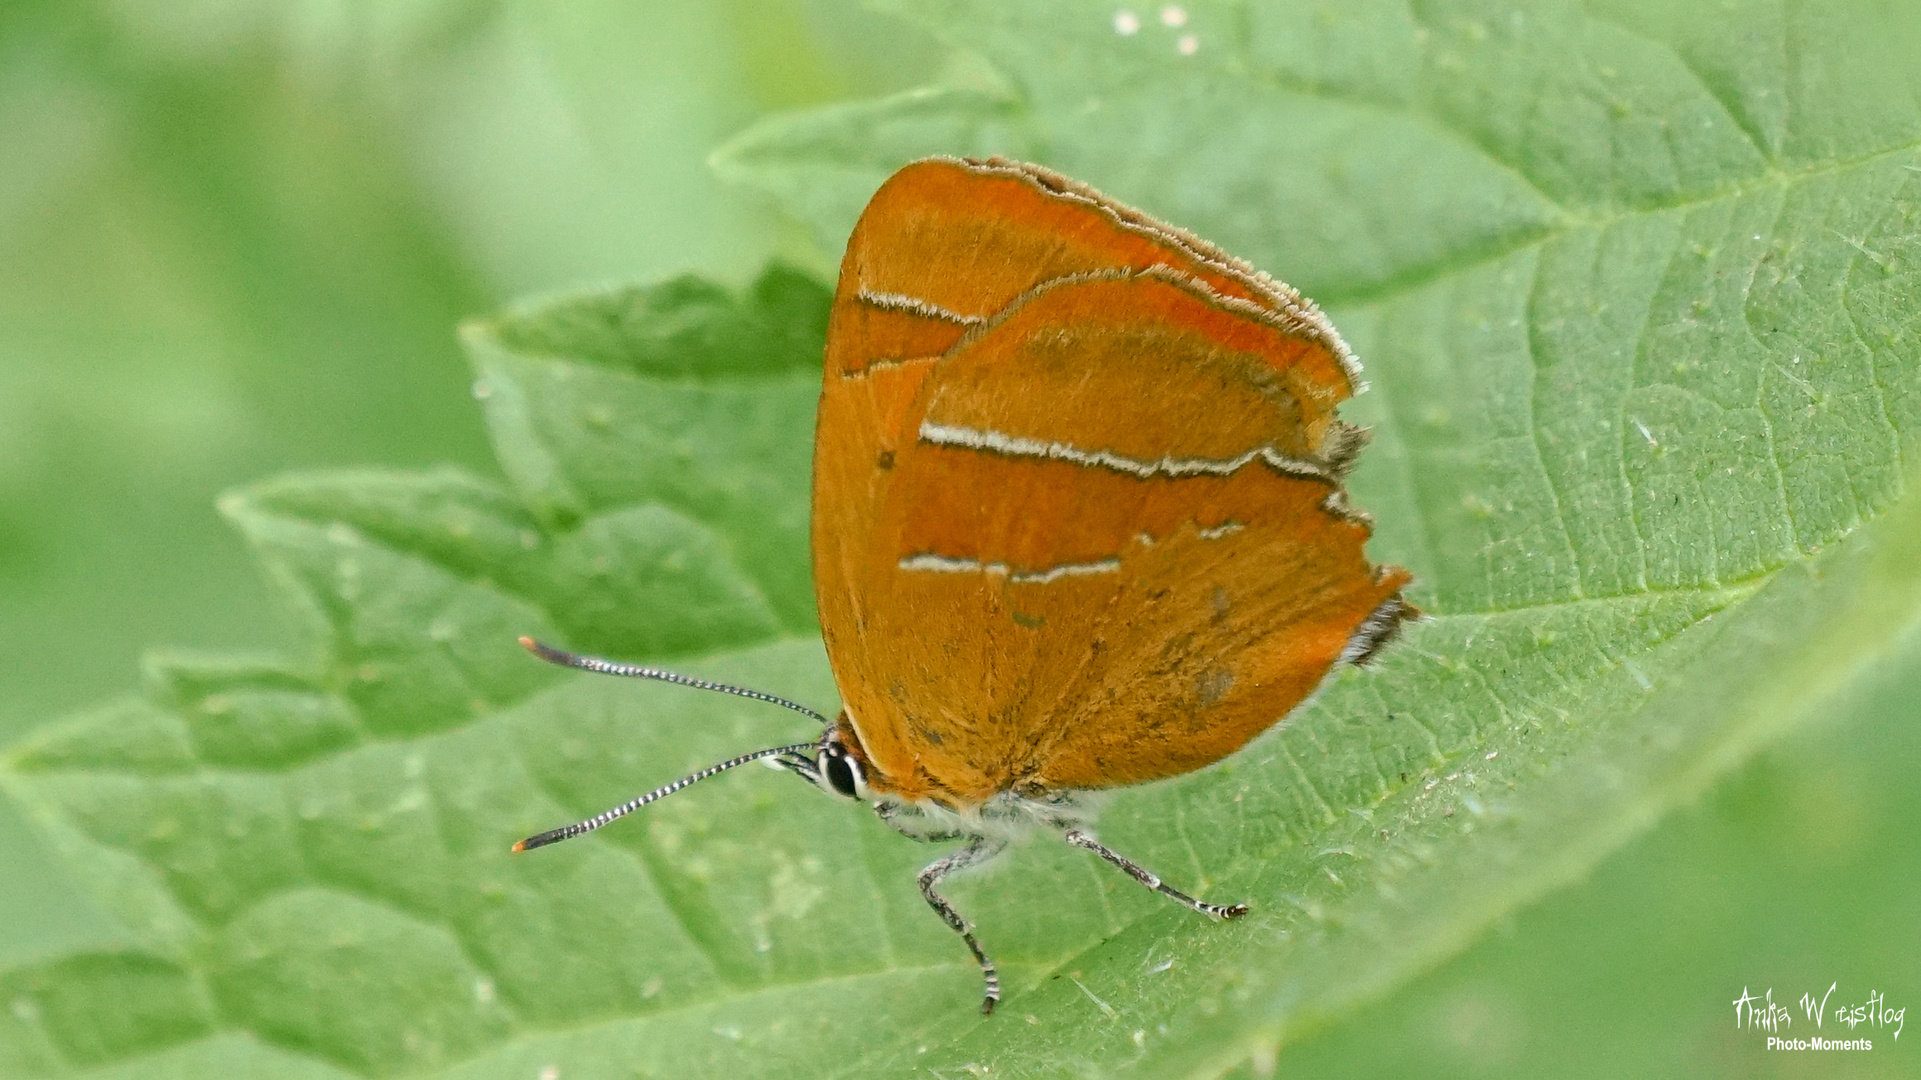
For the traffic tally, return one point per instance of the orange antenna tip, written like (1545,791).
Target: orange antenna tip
(520,846)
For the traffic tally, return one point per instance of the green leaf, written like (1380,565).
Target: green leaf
(1637,288)
(823,166)
(668,431)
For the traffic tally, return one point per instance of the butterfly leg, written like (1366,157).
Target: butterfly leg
(978,850)
(911,823)
(1150,879)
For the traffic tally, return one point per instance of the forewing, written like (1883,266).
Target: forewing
(946,245)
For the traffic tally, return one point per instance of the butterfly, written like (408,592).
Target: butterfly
(1078,517)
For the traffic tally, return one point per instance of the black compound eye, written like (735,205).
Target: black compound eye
(838,768)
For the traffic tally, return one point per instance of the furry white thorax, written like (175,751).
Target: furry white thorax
(1006,816)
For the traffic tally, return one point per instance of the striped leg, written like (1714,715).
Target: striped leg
(1150,879)
(978,850)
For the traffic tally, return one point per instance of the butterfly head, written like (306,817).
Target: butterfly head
(836,765)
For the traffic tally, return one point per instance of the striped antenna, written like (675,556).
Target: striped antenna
(795,755)
(634,671)
(554,836)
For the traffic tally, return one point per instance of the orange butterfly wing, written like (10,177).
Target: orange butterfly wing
(1077,519)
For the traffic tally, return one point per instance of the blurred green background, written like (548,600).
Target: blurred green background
(235,238)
